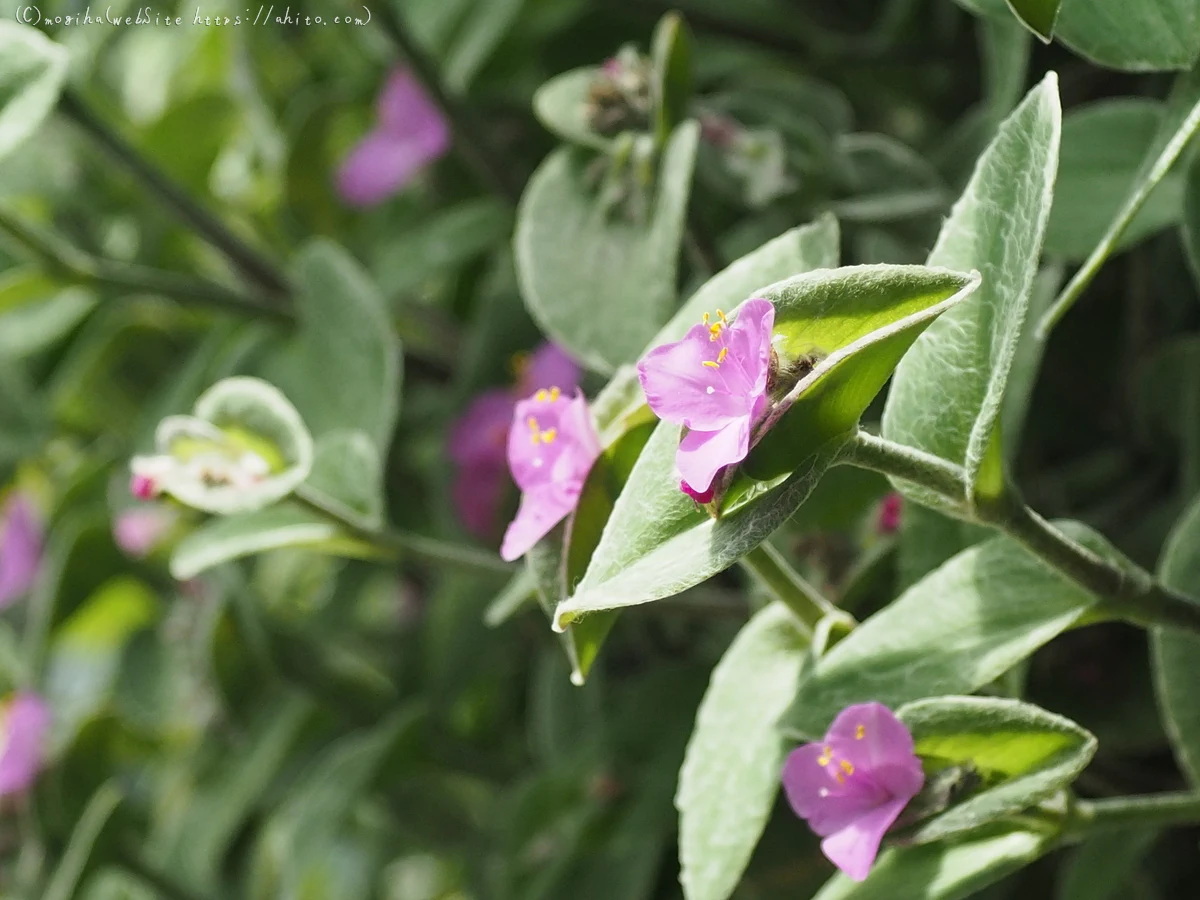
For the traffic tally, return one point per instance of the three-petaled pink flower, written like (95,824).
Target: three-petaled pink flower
(852,786)
(552,445)
(24,721)
(410,133)
(714,383)
(478,439)
(20,548)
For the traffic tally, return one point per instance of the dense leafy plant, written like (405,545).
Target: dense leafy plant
(855,345)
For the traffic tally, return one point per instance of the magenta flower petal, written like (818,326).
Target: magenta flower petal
(138,531)
(477,492)
(713,382)
(548,366)
(23,726)
(20,549)
(853,785)
(480,435)
(411,133)
(552,445)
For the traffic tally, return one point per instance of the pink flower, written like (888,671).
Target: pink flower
(410,132)
(143,486)
(20,549)
(551,447)
(852,786)
(889,514)
(24,721)
(714,383)
(139,530)
(478,439)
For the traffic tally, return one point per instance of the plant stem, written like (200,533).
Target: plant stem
(470,143)
(71,264)
(1126,592)
(1149,810)
(248,260)
(392,542)
(868,451)
(771,570)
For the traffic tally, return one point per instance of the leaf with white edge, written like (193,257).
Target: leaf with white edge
(947,392)
(233,418)
(944,871)
(1103,148)
(730,774)
(561,105)
(1176,653)
(33,69)
(959,628)
(1039,16)
(343,370)
(1144,36)
(597,283)
(347,478)
(234,537)
(1022,754)
(657,544)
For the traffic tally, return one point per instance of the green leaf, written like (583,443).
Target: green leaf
(1023,754)
(36,311)
(599,284)
(343,370)
(1104,865)
(32,71)
(959,628)
(347,478)
(1149,35)
(1103,148)
(944,871)
(87,831)
(1177,653)
(561,105)
(887,180)
(671,51)
(1039,16)
(236,536)
(85,654)
(520,592)
(947,392)
(730,775)
(657,543)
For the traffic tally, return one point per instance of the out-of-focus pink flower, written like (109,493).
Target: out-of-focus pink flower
(20,548)
(889,514)
(713,382)
(24,721)
(551,447)
(852,786)
(410,132)
(139,530)
(479,438)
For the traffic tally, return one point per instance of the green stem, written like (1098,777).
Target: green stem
(1149,811)
(772,571)
(248,260)
(470,142)
(1126,592)
(395,543)
(71,264)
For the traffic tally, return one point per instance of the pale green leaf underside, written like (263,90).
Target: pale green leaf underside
(947,392)
(730,775)
(32,71)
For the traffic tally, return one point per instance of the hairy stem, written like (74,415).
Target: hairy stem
(249,261)
(771,570)
(1149,810)
(1126,591)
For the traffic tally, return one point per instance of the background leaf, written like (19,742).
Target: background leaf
(31,77)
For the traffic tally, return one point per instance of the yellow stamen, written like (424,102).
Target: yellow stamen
(860,732)
(705,318)
(826,757)
(711,364)
(714,331)
(721,316)
(721,356)
(533,425)
(541,395)
(549,435)
(555,393)
(847,766)
(841,779)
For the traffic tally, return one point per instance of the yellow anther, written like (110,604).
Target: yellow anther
(549,435)
(860,732)
(847,766)
(541,395)
(714,331)
(711,364)
(721,316)
(555,393)
(533,425)
(826,757)
(705,318)
(721,356)
(841,779)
